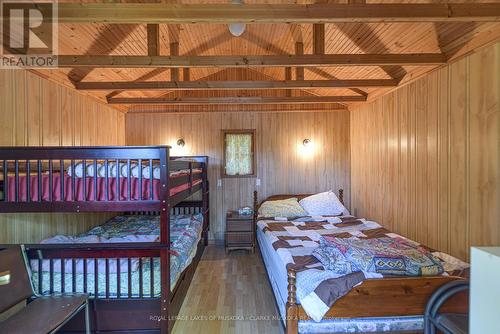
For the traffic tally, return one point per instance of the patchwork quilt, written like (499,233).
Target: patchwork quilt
(319,287)
(387,256)
(185,233)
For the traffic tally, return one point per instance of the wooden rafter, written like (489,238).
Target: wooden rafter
(288,77)
(174,51)
(328,76)
(267,110)
(299,51)
(153,44)
(296,34)
(319,39)
(319,49)
(237,100)
(213,42)
(174,38)
(186,74)
(231,85)
(107,39)
(252,61)
(153,32)
(272,13)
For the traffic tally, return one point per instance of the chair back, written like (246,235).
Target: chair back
(15,284)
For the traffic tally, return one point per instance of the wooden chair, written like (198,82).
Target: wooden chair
(41,314)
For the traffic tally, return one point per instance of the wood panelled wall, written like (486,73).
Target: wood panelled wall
(425,158)
(35,111)
(282,165)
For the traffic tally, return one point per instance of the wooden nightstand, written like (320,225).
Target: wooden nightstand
(240,232)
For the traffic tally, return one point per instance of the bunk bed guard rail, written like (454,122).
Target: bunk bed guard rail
(78,179)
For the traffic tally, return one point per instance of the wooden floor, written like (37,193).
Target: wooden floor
(229,294)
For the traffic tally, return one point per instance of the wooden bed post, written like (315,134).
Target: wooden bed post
(206,203)
(255,206)
(292,320)
(165,241)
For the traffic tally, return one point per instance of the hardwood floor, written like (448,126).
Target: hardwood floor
(229,294)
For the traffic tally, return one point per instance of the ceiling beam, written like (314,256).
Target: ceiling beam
(288,77)
(299,51)
(271,13)
(236,100)
(153,36)
(231,85)
(174,51)
(186,74)
(326,60)
(318,39)
(106,41)
(266,110)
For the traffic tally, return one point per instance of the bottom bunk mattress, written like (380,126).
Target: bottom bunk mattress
(283,242)
(127,277)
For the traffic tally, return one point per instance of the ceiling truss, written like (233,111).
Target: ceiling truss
(151,15)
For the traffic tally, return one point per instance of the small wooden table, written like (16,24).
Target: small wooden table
(240,232)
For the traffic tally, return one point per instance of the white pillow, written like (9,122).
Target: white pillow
(323,204)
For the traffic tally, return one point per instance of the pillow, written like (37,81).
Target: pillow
(281,208)
(323,204)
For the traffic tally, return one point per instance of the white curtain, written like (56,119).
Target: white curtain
(239,154)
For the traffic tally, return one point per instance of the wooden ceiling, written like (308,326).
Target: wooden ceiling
(348,84)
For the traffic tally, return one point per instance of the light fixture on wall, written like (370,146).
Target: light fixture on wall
(236,29)
(181,142)
(306,148)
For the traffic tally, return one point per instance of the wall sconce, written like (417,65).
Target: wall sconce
(181,142)
(306,148)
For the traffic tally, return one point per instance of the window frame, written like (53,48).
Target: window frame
(253,150)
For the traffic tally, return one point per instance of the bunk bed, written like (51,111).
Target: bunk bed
(393,303)
(129,283)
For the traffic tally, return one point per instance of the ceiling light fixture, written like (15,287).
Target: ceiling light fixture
(236,29)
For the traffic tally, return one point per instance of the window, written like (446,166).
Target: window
(239,157)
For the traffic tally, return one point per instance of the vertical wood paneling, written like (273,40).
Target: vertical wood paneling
(458,157)
(35,111)
(443,131)
(484,140)
(281,166)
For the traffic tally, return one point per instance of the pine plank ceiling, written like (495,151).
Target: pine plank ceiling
(453,39)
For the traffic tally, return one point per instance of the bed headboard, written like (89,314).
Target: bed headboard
(256,203)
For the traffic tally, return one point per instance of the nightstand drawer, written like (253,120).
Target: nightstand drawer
(239,238)
(239,226)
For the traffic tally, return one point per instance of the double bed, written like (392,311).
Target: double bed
(375,304)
